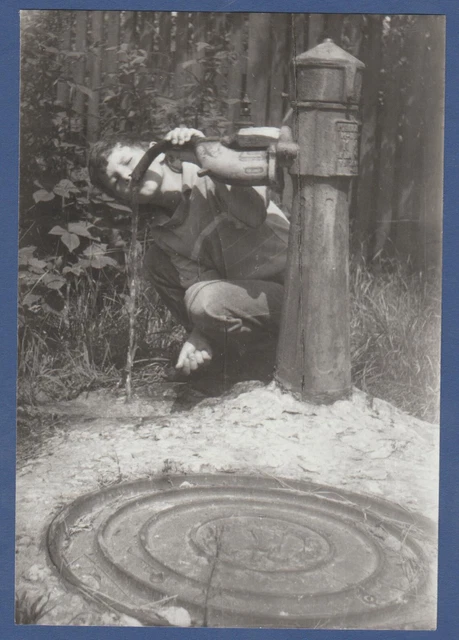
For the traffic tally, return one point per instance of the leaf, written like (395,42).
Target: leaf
(25,253)
(95,250)
(28,279)
(30,299)
(81,229)
(49,309)
(68,184)
(202,45)
(57,231)
(71,240)
(120,207)
(83,263)
(86,90)
(64,188)
(103,197)
(187,63)
(99,262)
(77,269)
(37,266)
(53,281)
(43,196)
(98,259)
(80,174)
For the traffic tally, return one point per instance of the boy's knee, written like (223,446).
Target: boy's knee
(205,303)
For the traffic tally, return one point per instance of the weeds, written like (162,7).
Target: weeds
(29,610)
(395,329)
(395,337)
(59,359)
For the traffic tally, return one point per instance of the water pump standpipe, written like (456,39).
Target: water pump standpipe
(313,360)
(254,156)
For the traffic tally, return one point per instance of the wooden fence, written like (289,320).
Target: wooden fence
(396,207)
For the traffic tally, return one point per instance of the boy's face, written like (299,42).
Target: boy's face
(121,163)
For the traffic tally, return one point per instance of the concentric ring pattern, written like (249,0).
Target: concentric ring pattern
(245,551)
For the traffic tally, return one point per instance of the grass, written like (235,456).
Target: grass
(395,337)
(30,609)
(395,328)
(85,348)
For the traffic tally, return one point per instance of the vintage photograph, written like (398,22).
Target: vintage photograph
(229,311)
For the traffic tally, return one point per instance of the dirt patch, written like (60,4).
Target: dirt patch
(363,445)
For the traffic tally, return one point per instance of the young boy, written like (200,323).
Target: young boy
(218,255)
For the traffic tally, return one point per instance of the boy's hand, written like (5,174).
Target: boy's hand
(195,352)
(180,135)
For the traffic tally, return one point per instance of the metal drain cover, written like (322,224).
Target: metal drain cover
(246,551)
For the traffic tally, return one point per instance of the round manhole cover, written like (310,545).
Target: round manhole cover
(247,551)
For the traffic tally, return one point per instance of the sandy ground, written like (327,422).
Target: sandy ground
(363,445)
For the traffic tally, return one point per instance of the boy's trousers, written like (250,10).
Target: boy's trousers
(241,313)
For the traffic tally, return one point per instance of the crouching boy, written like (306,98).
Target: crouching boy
(218,254)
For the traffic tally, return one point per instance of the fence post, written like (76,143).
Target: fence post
(113,43)
(238,66)
(79,66)
(181,53)
(65,42)
(258,60)
(314,352)
(97,23)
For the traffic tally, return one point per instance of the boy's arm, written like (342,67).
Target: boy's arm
(247,204)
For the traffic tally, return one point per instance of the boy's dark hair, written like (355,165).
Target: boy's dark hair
(100,151)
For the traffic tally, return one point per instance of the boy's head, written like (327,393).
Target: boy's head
(113,159)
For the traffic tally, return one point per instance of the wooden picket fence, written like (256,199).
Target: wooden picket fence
(396,208)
